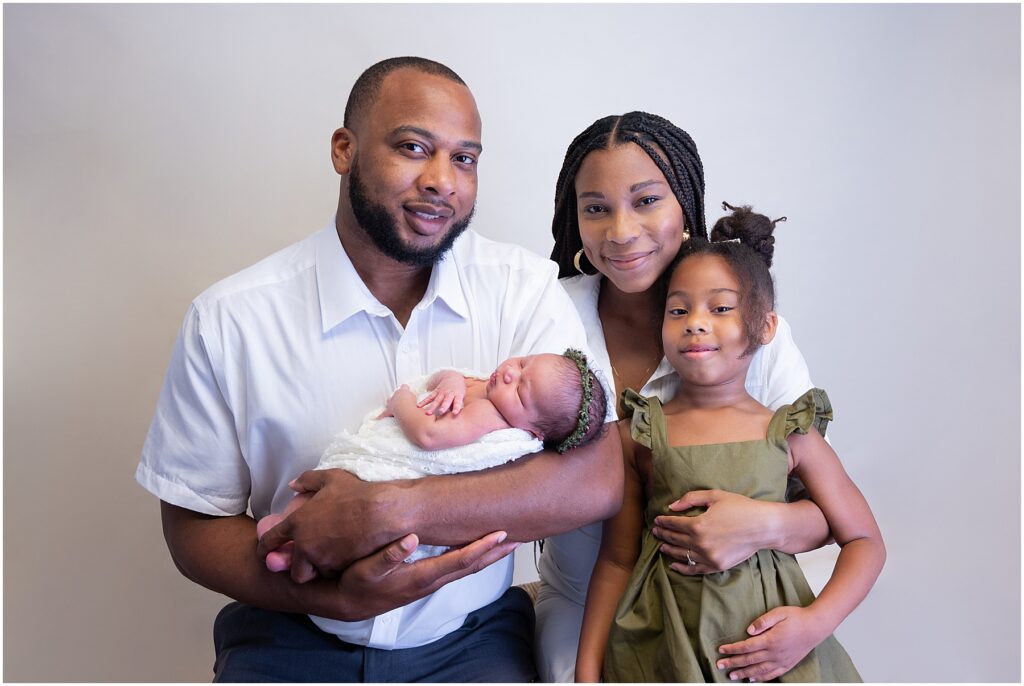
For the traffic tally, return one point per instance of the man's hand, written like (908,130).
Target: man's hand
(383,582)
(780,638)
(345,519)
(732,529)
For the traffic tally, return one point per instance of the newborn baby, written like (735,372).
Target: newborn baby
(465,422)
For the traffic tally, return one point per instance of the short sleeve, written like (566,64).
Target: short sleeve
(191,457)
(638,408)
(812,409)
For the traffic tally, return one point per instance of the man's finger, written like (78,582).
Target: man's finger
(489,557)
(302,570)
(312,480)
(391,557)
(435,572)
(275,538)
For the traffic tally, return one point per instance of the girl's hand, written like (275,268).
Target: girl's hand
(448,394)
(780,638)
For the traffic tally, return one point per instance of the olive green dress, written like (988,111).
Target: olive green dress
(668,626)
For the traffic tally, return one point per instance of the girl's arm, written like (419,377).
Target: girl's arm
(783,636)
(620,548)
(437,432)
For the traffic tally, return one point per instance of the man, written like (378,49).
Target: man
(273,361)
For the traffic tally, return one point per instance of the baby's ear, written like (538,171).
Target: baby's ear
(771,325)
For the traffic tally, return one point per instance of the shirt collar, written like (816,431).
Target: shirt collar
(342,292)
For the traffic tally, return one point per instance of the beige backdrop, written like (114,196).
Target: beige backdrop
(151,150)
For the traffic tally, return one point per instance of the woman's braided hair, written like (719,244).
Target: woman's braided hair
(668,146)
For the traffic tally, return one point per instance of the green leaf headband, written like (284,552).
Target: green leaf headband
(583,423)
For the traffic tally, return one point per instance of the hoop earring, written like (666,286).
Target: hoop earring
(576,261)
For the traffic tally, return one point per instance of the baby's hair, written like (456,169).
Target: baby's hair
(562,407)
(744,240)
(666,144)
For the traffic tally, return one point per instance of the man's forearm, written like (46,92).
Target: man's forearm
(220,554)
(532,498)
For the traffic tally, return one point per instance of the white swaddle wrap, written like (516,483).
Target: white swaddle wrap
(379,451)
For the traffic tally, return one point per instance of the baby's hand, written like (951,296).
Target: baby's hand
(780,638)
(396,397)
(449,393)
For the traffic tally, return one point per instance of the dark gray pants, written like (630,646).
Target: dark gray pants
(494,644)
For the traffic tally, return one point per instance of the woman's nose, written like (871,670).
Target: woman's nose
(622,228)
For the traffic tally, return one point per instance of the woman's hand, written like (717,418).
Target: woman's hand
(780,638)
(730,530)
(448,393)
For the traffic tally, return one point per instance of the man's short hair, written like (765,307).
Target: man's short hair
(367,86)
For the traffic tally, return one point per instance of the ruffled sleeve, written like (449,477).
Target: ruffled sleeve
(812,409)
(638,408)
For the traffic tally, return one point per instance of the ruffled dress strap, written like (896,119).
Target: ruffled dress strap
(639,409)
(812,409)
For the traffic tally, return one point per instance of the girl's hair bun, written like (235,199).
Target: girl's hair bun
(750,228)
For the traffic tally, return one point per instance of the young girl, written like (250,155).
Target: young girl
(669,627)
(460,423)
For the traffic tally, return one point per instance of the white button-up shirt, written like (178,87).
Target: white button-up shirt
(271,362)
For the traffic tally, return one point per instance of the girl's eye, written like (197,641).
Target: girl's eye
(722,309)
(677,311)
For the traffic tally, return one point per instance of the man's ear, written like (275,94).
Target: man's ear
(343,150)
(771,325)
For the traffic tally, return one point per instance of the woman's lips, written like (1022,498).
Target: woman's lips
(628,262)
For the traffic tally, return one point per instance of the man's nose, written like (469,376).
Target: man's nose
(438,177)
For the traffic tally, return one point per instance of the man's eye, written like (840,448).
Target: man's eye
(413,147)
(465,159)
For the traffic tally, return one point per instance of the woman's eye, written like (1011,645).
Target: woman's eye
(648,200)
(593,209)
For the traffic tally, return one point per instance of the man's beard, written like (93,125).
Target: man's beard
(380,226)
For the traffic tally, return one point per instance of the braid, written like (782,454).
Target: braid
(668,146)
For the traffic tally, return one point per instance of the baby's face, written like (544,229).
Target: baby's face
(519,385)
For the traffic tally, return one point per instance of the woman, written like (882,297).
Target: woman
(630,192)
